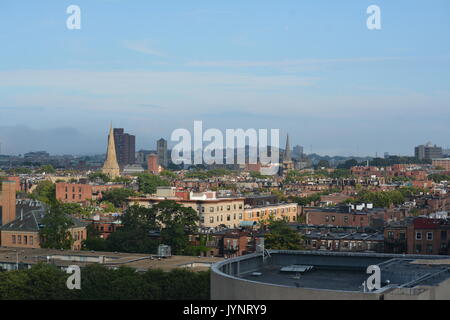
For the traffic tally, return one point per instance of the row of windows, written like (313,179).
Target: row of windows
(333,218)
(419,235)
(73,196)
(228,218)
(73,189)
(220,208)
(19,239)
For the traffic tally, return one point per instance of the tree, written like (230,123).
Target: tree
(98,177)
(148,182)
(55,231)
(177,222)
(133,236)
(118,196)
(45,192)
(348,164)
(282,237)
(323,163)
(47,168)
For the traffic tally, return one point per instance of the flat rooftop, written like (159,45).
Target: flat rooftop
(64,258)
(339,271)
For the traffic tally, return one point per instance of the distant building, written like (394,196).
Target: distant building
(125,147)
(443,163)
(142,156)
(153,164)
(428,152)
(161,149)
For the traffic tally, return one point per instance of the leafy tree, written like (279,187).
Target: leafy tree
(323,163)
(282,237)
(47,168)
(99,177)
(168,174)
(55,231)
(348,164)
(148,182)
(177,223)
(118,196)
(45,192)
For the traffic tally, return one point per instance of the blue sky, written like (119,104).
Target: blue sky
(310,68)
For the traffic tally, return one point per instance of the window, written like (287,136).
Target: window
(240,206)
(443,235)
(327,218)
(228,207)
(390,235)
(19,239)
(333,218)
(418,248)
(240,216)
(228,217)
(429,248)
(14,239)
(346,219)
(25,240)
(211,209)
(211,219)
(418,235)
(31,240)
(402,236)
(429,235)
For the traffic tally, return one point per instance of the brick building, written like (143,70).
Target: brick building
(336,216)
(419,235)
(8,190)
(79,192)
(23,232)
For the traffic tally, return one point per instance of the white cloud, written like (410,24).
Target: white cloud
(143,46)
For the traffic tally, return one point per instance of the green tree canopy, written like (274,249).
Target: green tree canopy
(55,231)
(148,182)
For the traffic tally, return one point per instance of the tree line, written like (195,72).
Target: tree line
(47,282)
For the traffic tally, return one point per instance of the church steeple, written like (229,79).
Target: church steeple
(111,167)
(287,151)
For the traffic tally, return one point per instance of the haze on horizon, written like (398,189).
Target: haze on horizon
(311,69)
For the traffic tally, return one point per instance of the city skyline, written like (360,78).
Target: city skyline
(312,70)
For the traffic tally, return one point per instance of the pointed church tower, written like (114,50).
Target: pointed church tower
(111,167)
(287,151)
(287,164)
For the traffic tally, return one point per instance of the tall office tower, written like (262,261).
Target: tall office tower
(125,147)
(161,149)
(428,152)
(111,167)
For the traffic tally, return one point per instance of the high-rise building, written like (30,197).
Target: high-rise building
(125,147)
(111,167)
(161,149)
(428,152)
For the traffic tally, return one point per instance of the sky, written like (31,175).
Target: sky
(309,68)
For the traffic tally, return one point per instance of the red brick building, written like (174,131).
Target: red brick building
(336,217)
(8,190)
(78,192)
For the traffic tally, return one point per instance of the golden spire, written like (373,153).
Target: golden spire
(111,167)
